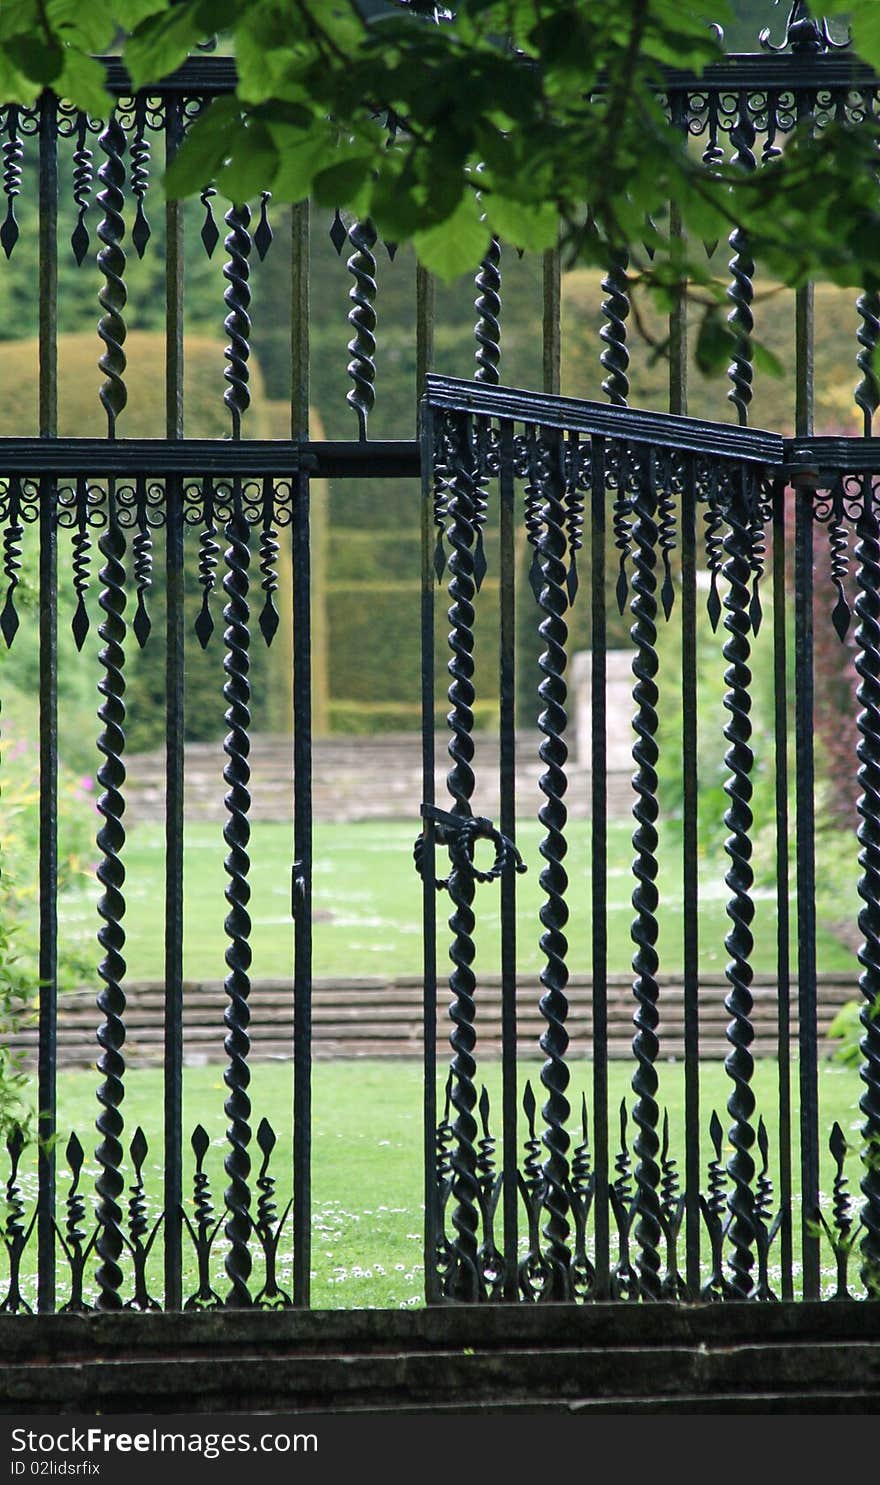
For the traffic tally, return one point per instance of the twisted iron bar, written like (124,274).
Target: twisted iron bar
(463,1281)
(867,393)
(111,907)
(237,324)
(487,330)
(739,877)
(362,318)
(740,292)
(111,261)
(237,925)
(83,175)
(867,665)
(139,178)
(615,357)
(13,155)
(553,752)
(646,1113)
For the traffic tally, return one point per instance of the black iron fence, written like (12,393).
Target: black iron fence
(565,1202)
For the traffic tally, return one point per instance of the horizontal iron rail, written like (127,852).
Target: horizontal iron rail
(209,75)
(663,429)
(198,457)
(811,459)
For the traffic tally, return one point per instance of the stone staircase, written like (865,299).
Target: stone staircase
(802,1357)
(354,778)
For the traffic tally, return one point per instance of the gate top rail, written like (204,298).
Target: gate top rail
(665,430)
(750,70)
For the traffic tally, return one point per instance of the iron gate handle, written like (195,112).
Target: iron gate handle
(459,834)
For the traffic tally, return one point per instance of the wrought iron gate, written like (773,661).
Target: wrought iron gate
(558,1208)
(547,1217)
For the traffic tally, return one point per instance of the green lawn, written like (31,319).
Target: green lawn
(367,902)
(367,1152)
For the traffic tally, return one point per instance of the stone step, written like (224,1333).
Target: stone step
(599,1357)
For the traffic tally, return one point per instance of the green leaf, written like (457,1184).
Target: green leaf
(35,57)
(159,44)
(339,184)
(205,149)
(83,83)
(302,154)
(715,343)
(456,245)
(252,166)
(532,226)
(766,360)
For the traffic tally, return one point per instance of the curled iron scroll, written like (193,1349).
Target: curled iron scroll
(459,835)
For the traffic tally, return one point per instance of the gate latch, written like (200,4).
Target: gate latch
(459,834)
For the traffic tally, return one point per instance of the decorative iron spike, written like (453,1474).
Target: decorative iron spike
(671,1216)
(13,155)
(841,615)
(553,815)
(867,663)
(491,1262)
(271,1296)
(760,514)
(209,552)
(269,618)
(487,330)
(739,943)
(482,436)
(362,318)
(83,175)
(464,1278)
(582,1188)
(575,480)
(210,233)
(533,1271)
(15,1233)
(443,1136)
(12,538)
(764,1231)
(646,1113)
(714,547)
(111,907)
(206,1228)
(236,834)
(73,1239)
(665,527)
(264,234)
(533,507)
(139,178)
(139,1227)
(142,564)
(845,1231)
(237,298)
(338,231)
(622,540)
(867,393)
(742,270)
(712,1207)
(615,308)
(82,546)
